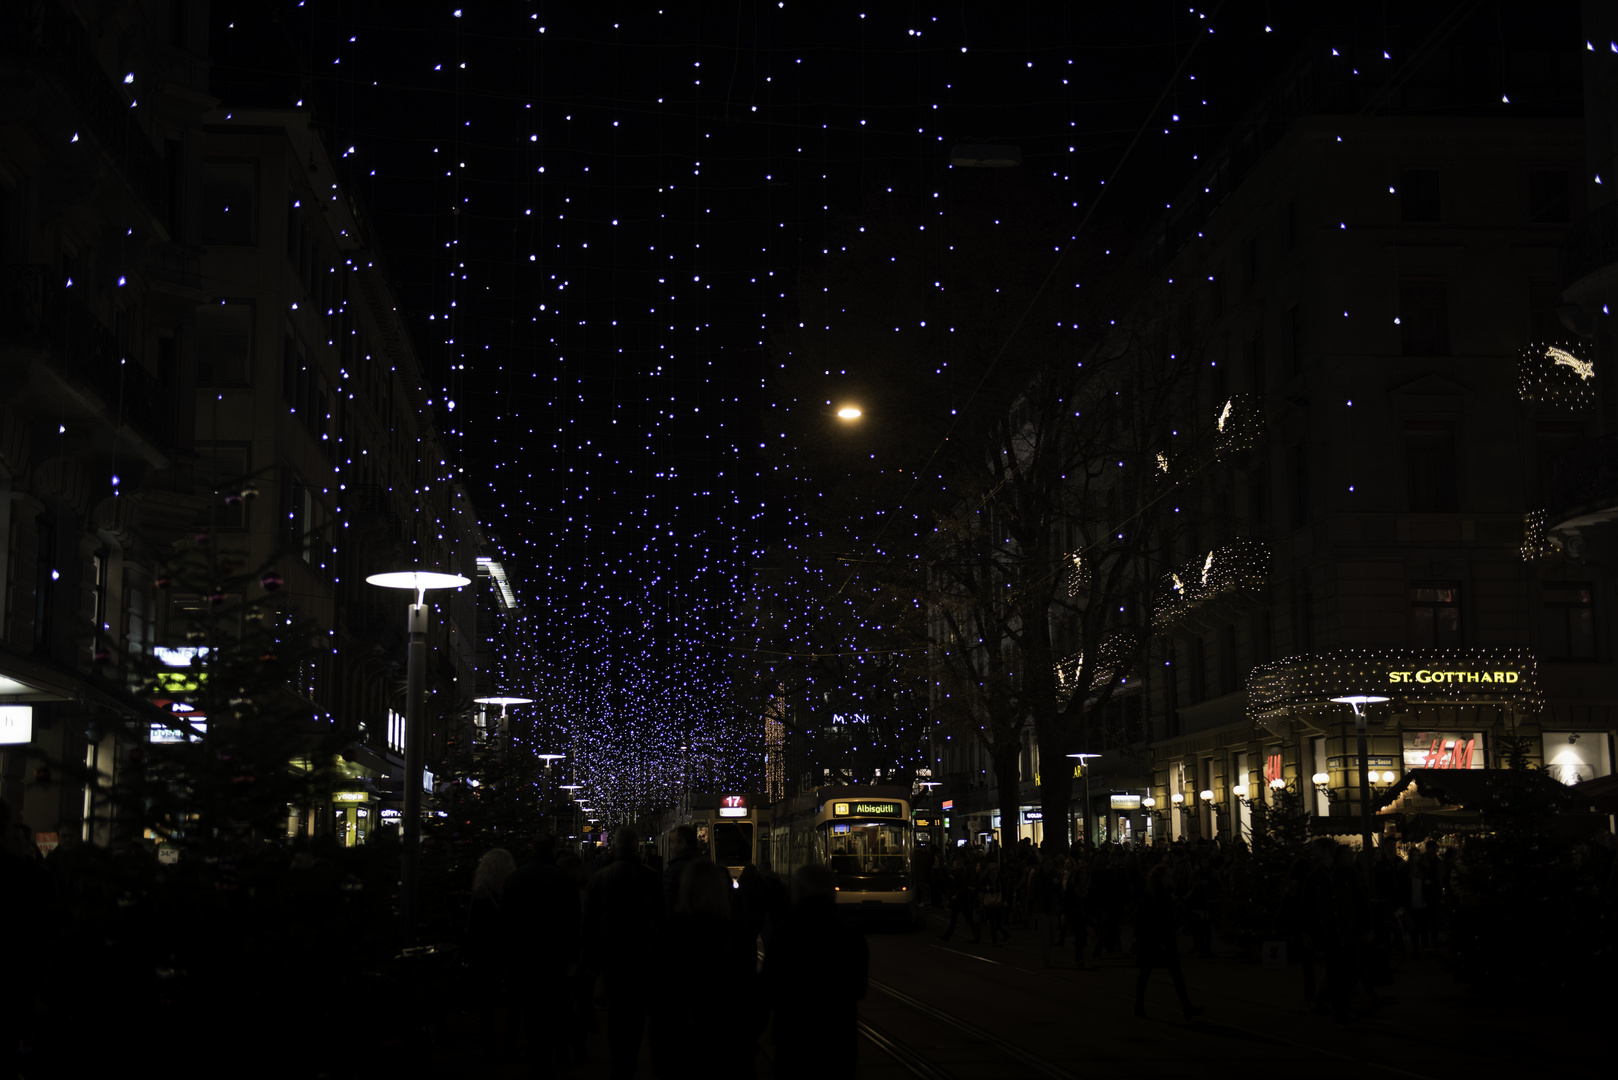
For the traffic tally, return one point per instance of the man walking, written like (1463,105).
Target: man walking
(623,917)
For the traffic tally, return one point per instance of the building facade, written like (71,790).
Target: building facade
(197,334)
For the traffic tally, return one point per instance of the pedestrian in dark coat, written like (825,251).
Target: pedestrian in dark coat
(487,948)
(623,919)
(1156,943)
(711,955)
(814,977)
(684,849)
(542,912)
(963,900)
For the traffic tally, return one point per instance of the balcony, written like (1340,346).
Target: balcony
(37,312)
(1581,487)
(1201,596)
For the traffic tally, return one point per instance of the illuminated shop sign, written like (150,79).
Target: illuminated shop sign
(1441,750)
(1424,675)
(16,724)
(867,809)
(350,796)
(948,804)
(162,733)
(1124,802)
(733,806)
(1033,815)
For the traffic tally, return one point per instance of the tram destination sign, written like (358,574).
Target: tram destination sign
(867,808)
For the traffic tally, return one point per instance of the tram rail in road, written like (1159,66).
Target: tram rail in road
(910,1060)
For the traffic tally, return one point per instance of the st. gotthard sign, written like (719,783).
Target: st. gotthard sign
(1428,675)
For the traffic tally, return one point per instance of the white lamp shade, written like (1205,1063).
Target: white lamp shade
(1148,802)
(504,700)
(418,580)
(1207,795)
(1321,778)
(1176,798)
(1240,791)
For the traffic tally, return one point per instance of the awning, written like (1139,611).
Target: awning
(1428,790)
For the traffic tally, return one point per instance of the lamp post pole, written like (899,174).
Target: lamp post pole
(1357,703)
(418,581)
(415,686)
(1084,771)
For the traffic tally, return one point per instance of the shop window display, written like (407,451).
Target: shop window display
(1444,750)
(1576,756)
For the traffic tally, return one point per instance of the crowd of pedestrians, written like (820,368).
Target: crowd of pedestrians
(1344,920)
(668,953)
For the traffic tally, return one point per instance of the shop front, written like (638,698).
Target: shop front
(1454,710)
(354,815)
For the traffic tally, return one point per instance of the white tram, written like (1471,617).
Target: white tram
(730,828)
(862,834)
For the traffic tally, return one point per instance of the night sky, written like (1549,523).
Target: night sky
(596,216)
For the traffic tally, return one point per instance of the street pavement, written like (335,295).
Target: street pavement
(963,1011)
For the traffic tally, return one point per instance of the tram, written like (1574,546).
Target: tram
(730,828)
(862,834)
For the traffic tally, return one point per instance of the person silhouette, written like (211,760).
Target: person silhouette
(814,976)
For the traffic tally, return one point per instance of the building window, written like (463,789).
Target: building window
(224,338)
(1544,324)
(230,202)
(1418,195)
(1570,620)
(1298,465)
(1253,355)
(1550,441)
(1230,679)
(1435,615)
(1423,318)
(1292,339)
(1198,653)
(222,472)
(1548,197)
(1430,465)
(1258,497)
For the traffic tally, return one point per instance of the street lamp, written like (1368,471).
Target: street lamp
(1357,702)
(849,412)
(419,581)
(1207,796)
(505,722)
(1084,770)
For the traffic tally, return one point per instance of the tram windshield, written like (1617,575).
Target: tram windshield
(854,847)
(733,843)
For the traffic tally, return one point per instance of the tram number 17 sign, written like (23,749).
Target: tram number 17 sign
(733,806)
